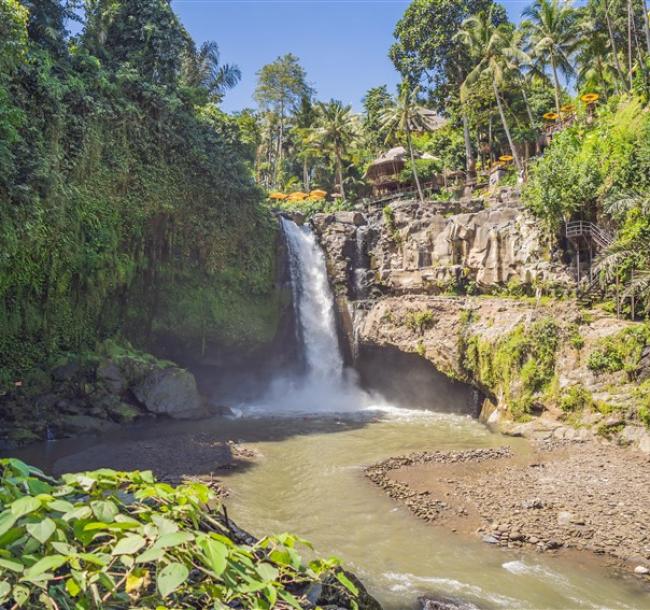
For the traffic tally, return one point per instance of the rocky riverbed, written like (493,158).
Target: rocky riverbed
(589,497)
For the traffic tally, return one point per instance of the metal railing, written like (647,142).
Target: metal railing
(584,228)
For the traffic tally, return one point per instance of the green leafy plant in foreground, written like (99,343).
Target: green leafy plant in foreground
(110,540)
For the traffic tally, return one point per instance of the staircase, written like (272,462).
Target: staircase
(583,229)
(590,238)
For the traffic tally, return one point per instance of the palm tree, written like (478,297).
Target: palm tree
(552,31)
(596,68)
(493,50)
(203,68)
(401,120)
(337,128)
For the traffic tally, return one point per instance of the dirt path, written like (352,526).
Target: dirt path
(586,496)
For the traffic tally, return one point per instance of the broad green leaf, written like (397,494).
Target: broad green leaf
(20,594)
(347,583)
(81,512)
(11,564)
(60,506)
(173,539)
(36,486)
(98,559)
(150,555)
(104,510)
(43,530)
(214,554)
(7,520)
(63,548)
(290,599)
(267,572)
(5,590)
(129,545)
(72,587)
(51,562)
(165,526)
(24,506)
(171,577)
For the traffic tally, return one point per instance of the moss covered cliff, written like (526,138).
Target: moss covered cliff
(126,201)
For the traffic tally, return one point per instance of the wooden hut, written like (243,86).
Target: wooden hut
(383,172)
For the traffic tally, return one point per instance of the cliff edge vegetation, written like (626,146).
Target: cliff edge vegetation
(127,204)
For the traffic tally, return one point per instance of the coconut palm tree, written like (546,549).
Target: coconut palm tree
(400,121)
(552,31)
(596,68)
(336,129)
(203,68)
(494,52)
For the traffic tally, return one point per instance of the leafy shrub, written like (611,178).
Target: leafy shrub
(518,366)
(621,351)
(575,338)
(576,398)
(109,539)
(584,163)
(419,321)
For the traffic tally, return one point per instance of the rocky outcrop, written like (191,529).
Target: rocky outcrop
(171,391)
(95,393)
(405,277)
(527,357)
(409,247)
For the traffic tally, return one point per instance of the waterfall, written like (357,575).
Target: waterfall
(313,303)
(326,385)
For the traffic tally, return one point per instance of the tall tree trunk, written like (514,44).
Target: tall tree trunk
(556,82)
(646,26)
(305,175)
(529,112)
(339,172)
(470,163)
(630,17)
(515,155)
(612,41)
(413,166)
(280,154)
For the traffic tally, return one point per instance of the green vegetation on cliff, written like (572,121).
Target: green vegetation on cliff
(517,366)
(126,201)
(115,540)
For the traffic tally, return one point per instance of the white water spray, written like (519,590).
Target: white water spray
(326,385)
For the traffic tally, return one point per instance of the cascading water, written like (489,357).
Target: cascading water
(314,304)
(325,386)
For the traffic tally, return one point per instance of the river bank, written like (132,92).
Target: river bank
(586,496)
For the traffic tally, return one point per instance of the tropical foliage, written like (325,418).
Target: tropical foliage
(111,540)
(126,204)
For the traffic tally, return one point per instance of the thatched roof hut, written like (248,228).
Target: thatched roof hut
(388,164)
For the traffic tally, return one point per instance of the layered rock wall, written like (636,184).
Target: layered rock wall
(414,248)
(439,282)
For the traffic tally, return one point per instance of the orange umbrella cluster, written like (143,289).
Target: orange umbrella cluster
(315,195)
(590,98)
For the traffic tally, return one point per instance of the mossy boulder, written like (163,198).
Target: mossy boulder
(171,391)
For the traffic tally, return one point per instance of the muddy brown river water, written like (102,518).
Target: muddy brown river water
(308,478)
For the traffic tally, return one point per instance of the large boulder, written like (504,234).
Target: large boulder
(171,391)
(112,376)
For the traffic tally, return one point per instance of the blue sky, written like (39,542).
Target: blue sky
(342,44)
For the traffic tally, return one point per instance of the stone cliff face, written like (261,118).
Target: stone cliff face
(407,278)
(413,248)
